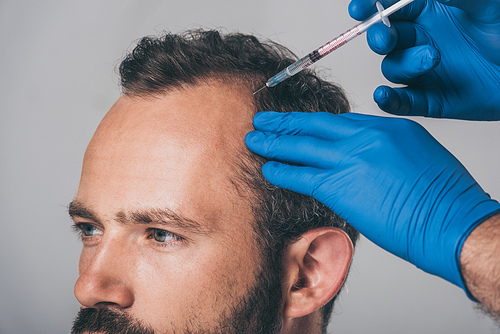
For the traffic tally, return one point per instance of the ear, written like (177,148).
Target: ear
(315,268)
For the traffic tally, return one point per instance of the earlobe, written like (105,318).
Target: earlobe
(315,268)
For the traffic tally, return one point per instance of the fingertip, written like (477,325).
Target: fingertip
(387,99)
(432,57)
(269,170)
(381,39)
(281,175)
(402,101)
(381,95)
(263,118)
(253,138)
(361,9)
(403,66)
(353,10)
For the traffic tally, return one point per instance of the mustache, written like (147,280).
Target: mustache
(107,321)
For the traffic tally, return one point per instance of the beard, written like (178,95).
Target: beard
(257,312)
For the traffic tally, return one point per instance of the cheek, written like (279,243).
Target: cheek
(191,275)
(192,284)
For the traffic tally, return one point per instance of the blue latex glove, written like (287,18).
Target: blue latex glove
(387,177)
(447,55)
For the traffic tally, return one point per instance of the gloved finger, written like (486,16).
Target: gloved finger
(319,124)
(402,66)
(298,150)
(362,9)
(382,39)
(409,35)
(299,179)
(401,35)
(402,101)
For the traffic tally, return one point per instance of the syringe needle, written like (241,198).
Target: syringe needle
(336,43)
(259,90)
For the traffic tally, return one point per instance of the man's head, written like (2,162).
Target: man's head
(181,232)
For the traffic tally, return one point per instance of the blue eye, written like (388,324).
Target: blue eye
(87,230)
(164,236)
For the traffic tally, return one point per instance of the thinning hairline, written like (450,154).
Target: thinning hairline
(231,76)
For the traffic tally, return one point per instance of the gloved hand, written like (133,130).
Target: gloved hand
(447,52)
(387,177)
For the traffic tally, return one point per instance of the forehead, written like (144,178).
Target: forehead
(213,113)
(177,151)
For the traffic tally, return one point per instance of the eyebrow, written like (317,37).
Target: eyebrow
(155,216)
(77,209)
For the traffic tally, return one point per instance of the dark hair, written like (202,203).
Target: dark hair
(160,64)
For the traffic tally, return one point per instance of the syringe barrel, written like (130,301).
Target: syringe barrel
(291,70)
(299,65)
(280,77)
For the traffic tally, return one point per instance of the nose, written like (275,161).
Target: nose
(104,277)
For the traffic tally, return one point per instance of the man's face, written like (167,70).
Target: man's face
(167,240)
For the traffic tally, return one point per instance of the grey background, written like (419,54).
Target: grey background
(57,79)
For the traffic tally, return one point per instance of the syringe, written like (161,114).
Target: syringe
(336,43)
